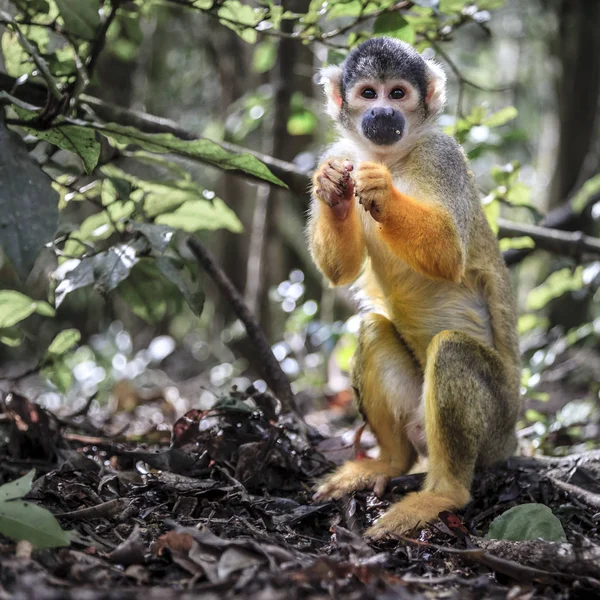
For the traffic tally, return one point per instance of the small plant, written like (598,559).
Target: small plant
(22,520)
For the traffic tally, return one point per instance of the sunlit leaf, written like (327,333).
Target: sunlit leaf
(105,270)
(265,56)
(64,342)
(27,521)
(558,283)
(194,215)
(516,243)
(587,191)
(16,307)
(492,212)
(501,117)
(527,522)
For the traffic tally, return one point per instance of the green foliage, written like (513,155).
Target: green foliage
(79,140)
(558,283)
(81,17)
(20,520)
(28,205)
(265,56)
(393,24)
(527,522)
(16,307)
(201,149)
(587,191)
(65,341)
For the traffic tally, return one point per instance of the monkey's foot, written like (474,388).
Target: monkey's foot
(373,188)
(357,475)
(416,510)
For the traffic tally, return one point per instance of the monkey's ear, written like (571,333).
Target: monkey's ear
(331,80)
(436,87)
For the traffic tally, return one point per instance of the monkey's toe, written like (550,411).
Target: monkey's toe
(354,476)
(415,511)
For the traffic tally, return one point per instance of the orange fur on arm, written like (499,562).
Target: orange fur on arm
(424,236)
(337,244)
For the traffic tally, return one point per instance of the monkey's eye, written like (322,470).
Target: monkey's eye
(369,94)
(397,94)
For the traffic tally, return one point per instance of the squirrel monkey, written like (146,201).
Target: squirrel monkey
(394,206)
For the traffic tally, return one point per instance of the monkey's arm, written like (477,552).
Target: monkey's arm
(335,234)
(432,236)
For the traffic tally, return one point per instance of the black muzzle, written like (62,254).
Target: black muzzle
(383,125)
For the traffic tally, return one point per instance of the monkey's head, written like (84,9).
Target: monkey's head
(384,91)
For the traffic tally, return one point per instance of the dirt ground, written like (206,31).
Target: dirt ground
(223,509)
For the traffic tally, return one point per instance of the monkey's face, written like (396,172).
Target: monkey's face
(383,93)
(382,112)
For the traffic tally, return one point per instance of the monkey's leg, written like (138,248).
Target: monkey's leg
(388,384)
(471,407)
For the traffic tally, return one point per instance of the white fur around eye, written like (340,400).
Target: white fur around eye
(436,87)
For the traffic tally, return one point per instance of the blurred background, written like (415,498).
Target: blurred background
(524,101)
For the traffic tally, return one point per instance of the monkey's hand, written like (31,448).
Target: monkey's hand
(373,184)
(334,186)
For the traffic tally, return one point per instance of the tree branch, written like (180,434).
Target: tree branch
(272,372)
(549,236)
(573,244)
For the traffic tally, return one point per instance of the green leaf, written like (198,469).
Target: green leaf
(241,18)
(302,122)
(11,337)
(504,115)
(158,236)
(453,6)
(516,243)
(63,342)
(146,292)
(16,307)
(79,140)
(393,24)
(17,488)
(588,190)
(201,149)
(194,215)
(192,293)
(105,270)
(27,521)
(492,212)
(28,204)
(265,56)
(527,522)
(81,17)
(558,283)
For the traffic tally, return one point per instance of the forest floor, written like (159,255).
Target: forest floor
(224,510)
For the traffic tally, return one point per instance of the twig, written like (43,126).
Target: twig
(98,43)
(37,59)
(458,73)
(105,509)
(589,498)
(272,372)
(572,244)
(511,568)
